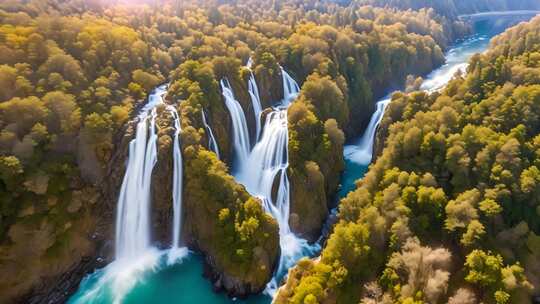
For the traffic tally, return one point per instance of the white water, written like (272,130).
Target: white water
(437,79)
(361,153)
(212,143)
(133,214)
(256,102)
(176,252)
(239,126)
(290,88)
(253,91)
(267,162)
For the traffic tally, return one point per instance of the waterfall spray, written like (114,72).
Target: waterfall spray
(134,254)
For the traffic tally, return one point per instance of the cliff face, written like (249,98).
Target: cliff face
(220,122)
(312,191)
(162,181)
(308,203)
(269,80)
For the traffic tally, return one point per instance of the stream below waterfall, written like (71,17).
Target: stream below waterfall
(152,278)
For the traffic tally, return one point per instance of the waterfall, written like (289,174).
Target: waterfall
(267,162)
(134,254)
(212,143)
(240,129)
(177,181)
(256,102)
(176,252)
(290,88)
(133,218)
(362,152)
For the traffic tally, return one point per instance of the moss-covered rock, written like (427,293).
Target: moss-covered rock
(316,162)
(239,240)
(308,196)
(269,79)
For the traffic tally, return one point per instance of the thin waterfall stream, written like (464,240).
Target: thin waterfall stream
(212,143)
(361,151)
(176,252)
(253,91)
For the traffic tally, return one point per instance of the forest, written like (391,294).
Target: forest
(448,212)
(452,199)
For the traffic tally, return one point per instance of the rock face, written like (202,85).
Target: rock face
(308,202)
(220,121)
(269,80)
(312,191)
(162,181)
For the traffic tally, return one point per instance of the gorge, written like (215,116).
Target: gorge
(370,151)
(257,168)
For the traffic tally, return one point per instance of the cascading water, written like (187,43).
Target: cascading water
(239,125)
(456,60)
(134,254)
(267,161)
(176,252)
(290,88)
(256,103)
(362,152)
(212,143)
(133,218)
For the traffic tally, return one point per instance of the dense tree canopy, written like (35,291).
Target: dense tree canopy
(452,200)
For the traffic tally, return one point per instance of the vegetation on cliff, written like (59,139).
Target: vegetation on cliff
(449,212)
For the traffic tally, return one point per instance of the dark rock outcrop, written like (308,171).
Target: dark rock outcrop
(308,203)
(162,181)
